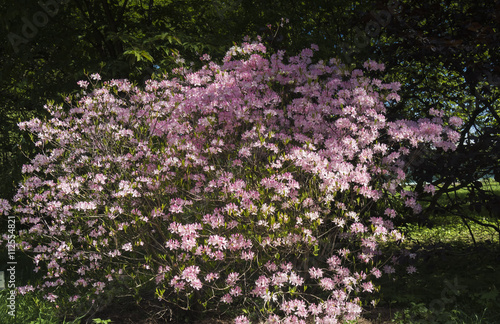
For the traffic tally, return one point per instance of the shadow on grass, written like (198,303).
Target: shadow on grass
(455,283)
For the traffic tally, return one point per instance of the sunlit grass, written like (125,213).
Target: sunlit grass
(453,231)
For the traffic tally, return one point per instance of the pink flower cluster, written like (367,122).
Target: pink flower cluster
(246,182)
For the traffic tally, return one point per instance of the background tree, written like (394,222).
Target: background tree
(446,55)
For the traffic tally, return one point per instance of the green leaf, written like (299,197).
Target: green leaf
(140,55)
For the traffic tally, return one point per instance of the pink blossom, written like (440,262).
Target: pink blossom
(232,278)
(315,273)
(25,289)
(4,206)
(411,269)
(430,189)
(51,297)
(389,269)
(227,298)
(74,298)
(218,242)
(85,205)
(327,284)
(211,277)
(127,247)
(390,212)
(435,112)
(376,272)
(333,262)
(295,280)
(456,121)
(241,320)
(83,84)
(271,266)
(358,228)
(367,286)
(190,273)
(236,291)
(279,279)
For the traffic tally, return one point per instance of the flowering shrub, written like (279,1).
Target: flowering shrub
(249,185)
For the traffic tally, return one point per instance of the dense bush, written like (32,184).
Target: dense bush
(251,184)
